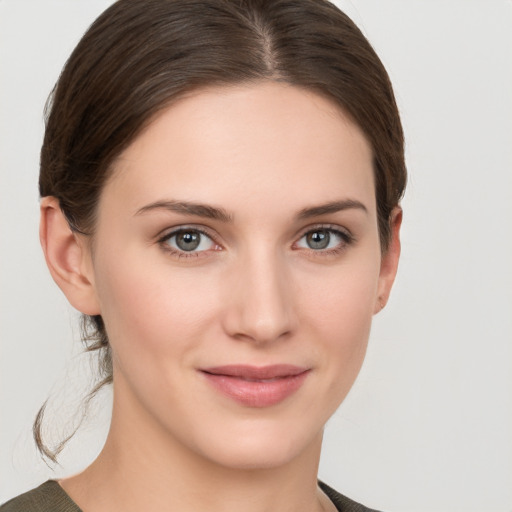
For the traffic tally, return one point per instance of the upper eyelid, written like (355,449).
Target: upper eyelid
(170,233)
(167,233)
(329,227)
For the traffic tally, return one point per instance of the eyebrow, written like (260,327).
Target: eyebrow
(188,208)
(332,207)
(216,213)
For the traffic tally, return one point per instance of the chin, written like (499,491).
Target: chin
(262,447)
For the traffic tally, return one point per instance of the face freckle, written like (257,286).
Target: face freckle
(249,177)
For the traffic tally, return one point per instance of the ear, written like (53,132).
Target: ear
(389,262)
(68,258)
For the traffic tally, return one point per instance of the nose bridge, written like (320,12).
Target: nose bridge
(261,307)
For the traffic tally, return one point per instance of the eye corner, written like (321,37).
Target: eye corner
(331,240)
(194,242)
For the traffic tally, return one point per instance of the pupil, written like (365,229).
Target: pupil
(188,241)
(318,239)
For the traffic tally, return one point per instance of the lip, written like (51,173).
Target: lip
(256,386)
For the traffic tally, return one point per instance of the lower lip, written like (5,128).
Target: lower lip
(257,393)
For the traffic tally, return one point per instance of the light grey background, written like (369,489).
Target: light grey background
(428,425)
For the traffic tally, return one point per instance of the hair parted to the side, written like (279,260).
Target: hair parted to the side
(140,56)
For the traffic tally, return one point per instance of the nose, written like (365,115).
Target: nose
(259,306)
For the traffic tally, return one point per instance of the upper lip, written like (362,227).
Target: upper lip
(256,372)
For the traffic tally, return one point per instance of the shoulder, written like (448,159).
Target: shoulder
(342,503)
(48,497)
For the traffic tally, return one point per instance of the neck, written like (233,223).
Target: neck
(156,473)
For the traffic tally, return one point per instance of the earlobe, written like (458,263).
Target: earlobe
(389,262)
(67,257)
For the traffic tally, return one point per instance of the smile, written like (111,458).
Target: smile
(253,386)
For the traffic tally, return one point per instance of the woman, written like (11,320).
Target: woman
(220,186)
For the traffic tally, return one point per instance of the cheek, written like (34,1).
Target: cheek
(339,308)
(343,298)
(155,310)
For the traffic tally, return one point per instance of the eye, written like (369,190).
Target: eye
(324,239)
(188,241)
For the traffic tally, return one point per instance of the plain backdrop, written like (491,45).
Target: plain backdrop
(428,425)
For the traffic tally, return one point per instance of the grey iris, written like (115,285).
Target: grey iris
(318,239)
(188,240)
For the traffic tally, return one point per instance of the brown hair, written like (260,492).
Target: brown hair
(141,55)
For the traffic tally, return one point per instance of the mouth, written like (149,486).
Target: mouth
(254,386)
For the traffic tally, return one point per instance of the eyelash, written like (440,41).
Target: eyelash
(164,242)
(346,237)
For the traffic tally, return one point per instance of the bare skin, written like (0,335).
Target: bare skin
(239,228)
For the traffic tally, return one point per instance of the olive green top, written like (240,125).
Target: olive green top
(48,497)
(51,497)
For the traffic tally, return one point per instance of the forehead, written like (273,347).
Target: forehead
(242,144)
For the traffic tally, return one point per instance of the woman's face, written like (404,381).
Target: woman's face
(237,267)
